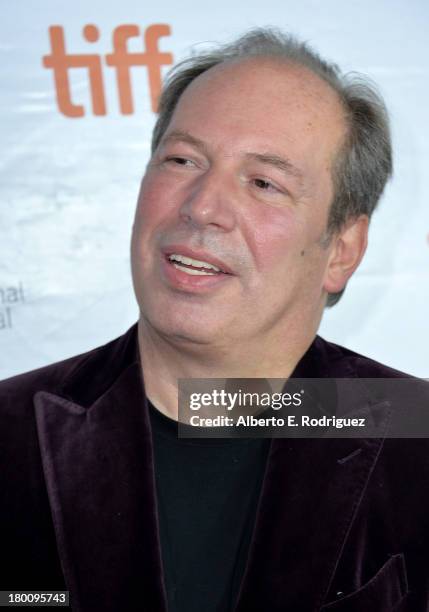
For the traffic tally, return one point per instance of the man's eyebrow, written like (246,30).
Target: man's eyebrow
(182,136)
(282,163)
(271,159)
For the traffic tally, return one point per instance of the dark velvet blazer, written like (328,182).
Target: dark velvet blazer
(342,525)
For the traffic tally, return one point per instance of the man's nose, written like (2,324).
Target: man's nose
(210,201)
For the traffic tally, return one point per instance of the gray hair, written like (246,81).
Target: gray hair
(363,163)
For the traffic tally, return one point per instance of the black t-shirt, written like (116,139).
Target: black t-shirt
(207,491)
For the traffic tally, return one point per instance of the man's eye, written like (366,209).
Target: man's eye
(265,185)
(180,161)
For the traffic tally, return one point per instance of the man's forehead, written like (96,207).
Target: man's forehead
(266,94)
(272,98)
(282,72)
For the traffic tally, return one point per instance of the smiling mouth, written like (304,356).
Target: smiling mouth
(192,266)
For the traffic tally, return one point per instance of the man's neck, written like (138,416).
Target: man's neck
(165,361)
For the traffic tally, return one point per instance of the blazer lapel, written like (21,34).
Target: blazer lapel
(311,492)
(310,495)
(98,466)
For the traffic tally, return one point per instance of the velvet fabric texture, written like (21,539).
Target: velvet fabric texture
(342,524)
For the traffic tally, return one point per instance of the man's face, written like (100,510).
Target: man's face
(241,180)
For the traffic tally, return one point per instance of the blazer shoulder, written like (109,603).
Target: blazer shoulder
(80,378)
(17,392)
(360,365)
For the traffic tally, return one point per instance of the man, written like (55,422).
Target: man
(252,216)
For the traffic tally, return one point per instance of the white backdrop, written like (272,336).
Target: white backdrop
(68,185)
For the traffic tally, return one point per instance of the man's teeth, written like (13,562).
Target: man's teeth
(193,271)
(198,267)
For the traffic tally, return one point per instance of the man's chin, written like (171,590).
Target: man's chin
(184,332)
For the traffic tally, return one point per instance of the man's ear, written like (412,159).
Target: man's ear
(348,247)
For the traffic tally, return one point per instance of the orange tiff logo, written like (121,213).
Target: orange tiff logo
(120,59)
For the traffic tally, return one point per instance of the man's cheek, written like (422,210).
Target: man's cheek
(274,242)
(157,206)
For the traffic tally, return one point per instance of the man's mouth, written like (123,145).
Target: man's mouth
(194,267)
